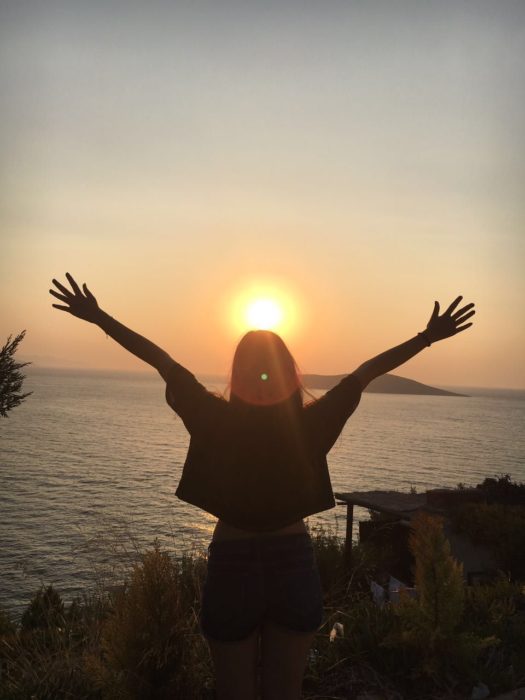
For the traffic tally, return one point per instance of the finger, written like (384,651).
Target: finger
(458,313)
(58,296)
(435,313)
(463,328)
(74,285)
(62,308)
(453,305)
(87,292)
(63,289)
(464,318)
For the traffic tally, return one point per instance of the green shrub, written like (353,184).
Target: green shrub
(329,554)
(150,643)
(497,610)
(44,658)
(431,626)
(45,611)
(501,489)
(7,626)
(501,528)
(11,379)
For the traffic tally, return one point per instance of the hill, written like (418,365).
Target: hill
(387,384)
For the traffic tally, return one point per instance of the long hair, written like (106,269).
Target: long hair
(264,372)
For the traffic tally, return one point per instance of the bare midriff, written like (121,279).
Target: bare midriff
(227,532)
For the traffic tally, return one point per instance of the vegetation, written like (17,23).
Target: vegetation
(497,521)
(11,379)
(142,640)
(502,490)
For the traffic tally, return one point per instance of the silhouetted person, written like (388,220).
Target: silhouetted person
(258,463)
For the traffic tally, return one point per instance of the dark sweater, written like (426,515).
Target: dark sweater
(258,468)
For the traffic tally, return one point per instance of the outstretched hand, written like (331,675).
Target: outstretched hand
(80,304)
(450,322)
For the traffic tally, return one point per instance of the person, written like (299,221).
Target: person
(257,461)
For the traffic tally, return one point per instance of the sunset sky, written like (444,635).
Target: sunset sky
(357,160)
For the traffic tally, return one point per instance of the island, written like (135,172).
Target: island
(386,384)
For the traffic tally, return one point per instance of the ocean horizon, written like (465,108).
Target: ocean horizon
(35,367)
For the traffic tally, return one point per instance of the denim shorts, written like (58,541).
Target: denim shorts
(268,578)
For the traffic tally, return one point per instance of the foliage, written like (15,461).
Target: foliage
(150,647)
(498,610)
(328,550)
(143,640)
(45,611)
(502,489)
(42,659)
(498,522)
(438,577)
(11,379)
(499,527)
(430,625)
(7,626)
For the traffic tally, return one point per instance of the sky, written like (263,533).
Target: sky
(357,160)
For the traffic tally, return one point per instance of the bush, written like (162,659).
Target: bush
(430,626)
(501,528)
(502,489)
(7,626)
(11,379)
(150,644)
(45,611)
(44,658)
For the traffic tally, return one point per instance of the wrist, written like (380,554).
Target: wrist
(425,337)
(101,318)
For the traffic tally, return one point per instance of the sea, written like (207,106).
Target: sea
(90,461)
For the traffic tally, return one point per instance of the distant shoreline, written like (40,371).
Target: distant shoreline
(446,390)
(387,384)
(489,391)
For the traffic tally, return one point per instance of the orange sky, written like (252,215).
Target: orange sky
(364,163)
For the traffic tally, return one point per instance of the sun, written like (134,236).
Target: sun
(264,314)
(266,305)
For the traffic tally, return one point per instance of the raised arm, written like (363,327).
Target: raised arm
(83,304)
(438,328)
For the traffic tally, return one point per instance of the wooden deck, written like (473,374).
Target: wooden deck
(403,506)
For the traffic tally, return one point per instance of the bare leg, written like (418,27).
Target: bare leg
(236,667)
(284,657)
